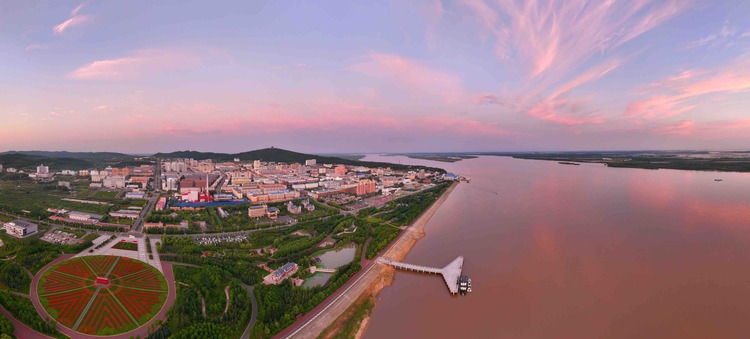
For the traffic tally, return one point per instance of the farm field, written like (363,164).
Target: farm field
(102,295)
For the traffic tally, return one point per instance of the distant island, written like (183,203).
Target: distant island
(723,161)
(441,157)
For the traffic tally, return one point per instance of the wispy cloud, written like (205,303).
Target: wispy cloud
(558,36)
(137,64)
(67,24)
(34,47)
(672,96)
(411,75)
(77,9)
(555,40)
(725,36)
(290,66)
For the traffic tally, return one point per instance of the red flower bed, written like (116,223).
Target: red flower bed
(134,291)
(100,264)
(69,305)
(104,312)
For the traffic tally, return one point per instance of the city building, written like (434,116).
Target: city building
(130,214)
(65,184)
(311,162)
(366,187)
(161,204)
(307,205)
(257,211)
(41,169)
(273,212)
(113,182)
(284,272)
(135,195)
(340,169)
(20,228)
(85,217)
(292,208)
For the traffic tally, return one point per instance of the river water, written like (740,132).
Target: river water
(560,251)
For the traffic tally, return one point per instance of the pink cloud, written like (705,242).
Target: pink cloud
(67,24)
(669,97)
(684,128)
(560,35)
(565,112)
(139,63)
(77,9)
(558,106)
(411,75)
(324,116)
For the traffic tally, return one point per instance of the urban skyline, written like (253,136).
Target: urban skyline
(378,77)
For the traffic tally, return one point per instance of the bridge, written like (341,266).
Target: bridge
(450,273)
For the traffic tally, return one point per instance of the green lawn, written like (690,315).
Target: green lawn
(105,195)
(126,246)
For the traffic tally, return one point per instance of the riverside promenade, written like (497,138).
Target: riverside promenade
(317,320)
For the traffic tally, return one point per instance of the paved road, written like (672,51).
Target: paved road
(20,329)
(254,315)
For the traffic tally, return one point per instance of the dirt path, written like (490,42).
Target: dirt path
(203,306)
(226,292)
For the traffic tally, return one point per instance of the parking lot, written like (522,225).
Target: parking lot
(61,238)
(212,240)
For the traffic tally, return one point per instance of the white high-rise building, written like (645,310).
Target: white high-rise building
(41,169)
(256,164)
(311,162)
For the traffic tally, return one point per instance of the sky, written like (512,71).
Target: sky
(374,76)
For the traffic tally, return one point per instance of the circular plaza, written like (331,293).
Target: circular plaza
(102,295)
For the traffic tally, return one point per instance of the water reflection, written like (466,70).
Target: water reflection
(580,252)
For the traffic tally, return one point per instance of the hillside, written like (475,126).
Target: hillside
(91,156)
(282,155)
(23,161)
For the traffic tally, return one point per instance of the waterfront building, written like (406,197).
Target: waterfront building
(284,272)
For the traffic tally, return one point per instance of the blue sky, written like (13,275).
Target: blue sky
(346,76)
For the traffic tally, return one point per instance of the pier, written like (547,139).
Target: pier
(450,272)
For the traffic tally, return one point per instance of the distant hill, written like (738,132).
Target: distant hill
(282,155)
(96,156)
(22,161)
(61,160)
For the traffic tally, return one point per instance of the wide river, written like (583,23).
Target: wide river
(560,251)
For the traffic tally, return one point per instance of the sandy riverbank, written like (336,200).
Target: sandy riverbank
(383,275)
